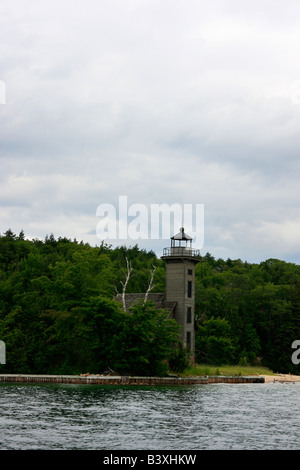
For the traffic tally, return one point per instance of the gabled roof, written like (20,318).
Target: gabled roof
(158,298)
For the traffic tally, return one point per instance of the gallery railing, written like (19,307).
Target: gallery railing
(181,251)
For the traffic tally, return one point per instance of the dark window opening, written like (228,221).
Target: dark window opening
(188,340)
(190,272)
(189,293)
(189,315)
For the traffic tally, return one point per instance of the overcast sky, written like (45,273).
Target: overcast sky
(161,101)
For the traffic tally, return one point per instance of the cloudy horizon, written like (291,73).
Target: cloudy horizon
(165,102)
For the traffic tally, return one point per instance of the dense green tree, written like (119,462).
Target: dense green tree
(146,341)
(214,342)
(260,302)
(57,312)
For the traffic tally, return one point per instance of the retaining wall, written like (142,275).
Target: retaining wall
(127,380)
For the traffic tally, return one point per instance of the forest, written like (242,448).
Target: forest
(58,314)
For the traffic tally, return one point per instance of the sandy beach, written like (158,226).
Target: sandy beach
(281,378)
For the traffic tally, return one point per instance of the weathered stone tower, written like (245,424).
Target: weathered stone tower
(181,260)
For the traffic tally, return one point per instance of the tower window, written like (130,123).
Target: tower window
(189,315)
(190,272)
(189,290)
(188,339)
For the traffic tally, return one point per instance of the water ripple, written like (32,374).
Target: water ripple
(222,416)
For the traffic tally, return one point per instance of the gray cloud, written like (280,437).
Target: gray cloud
(188,102)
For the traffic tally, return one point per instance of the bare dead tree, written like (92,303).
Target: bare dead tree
(151,285)
(124,284)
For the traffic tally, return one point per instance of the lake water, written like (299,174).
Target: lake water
(213,416)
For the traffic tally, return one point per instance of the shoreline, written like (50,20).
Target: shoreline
(281,378)
(96,379)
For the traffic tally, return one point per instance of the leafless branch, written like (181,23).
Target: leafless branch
(151,285)
(124,284)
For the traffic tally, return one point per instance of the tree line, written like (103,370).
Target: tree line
(248,313)
(58,314)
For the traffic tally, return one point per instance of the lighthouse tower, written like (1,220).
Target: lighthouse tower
(181,259)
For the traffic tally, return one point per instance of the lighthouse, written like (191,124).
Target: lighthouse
(181,259)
